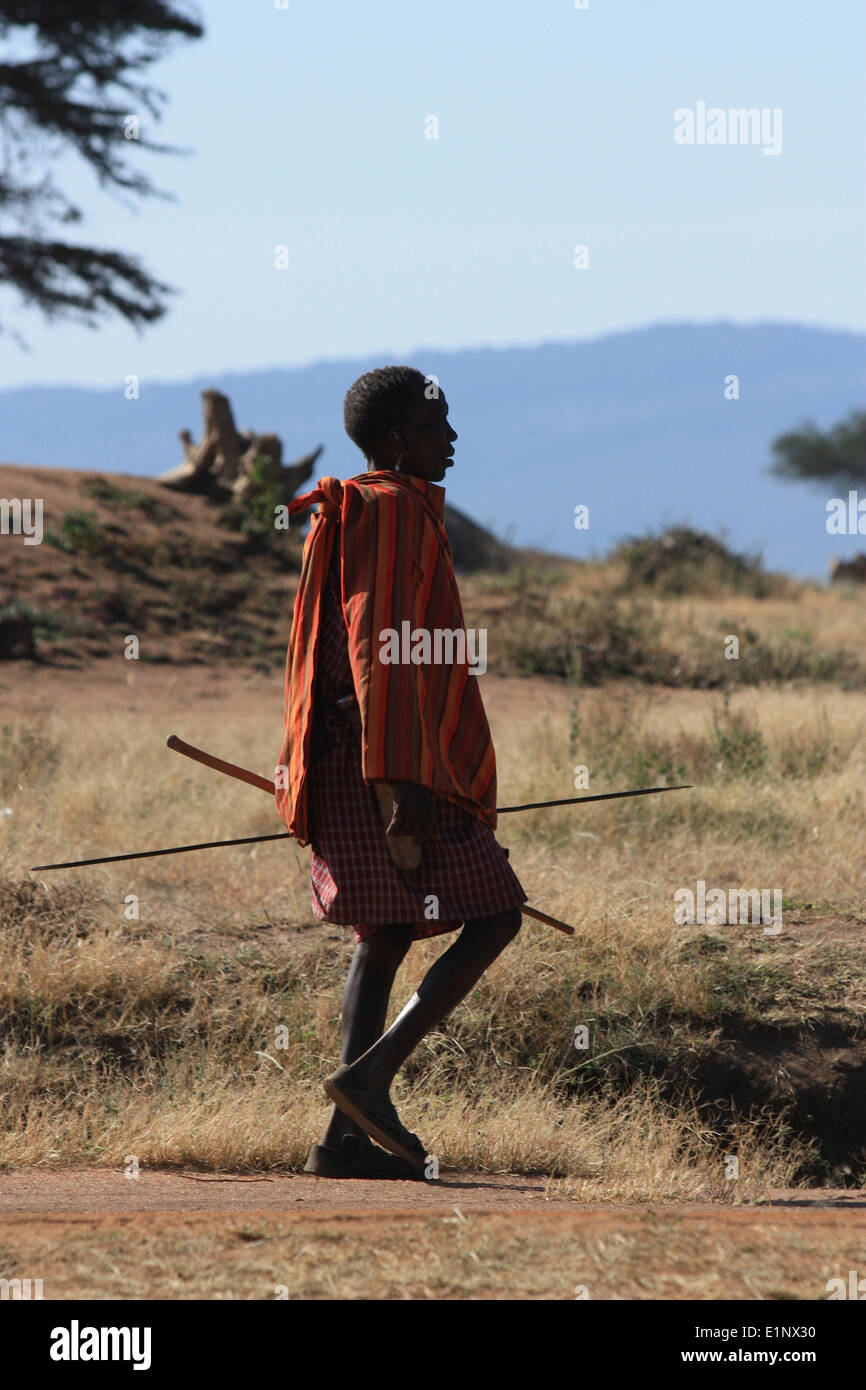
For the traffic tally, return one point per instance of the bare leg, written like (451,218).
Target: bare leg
(447,981)
(365,1004)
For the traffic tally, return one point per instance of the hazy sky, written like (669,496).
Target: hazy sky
(556,129)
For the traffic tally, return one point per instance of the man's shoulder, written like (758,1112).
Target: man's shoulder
(377,490)
(381,481)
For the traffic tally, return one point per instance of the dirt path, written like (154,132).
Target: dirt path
(98,1190)
(92,1234)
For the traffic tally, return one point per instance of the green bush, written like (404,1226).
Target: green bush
(589,641)
(684,561)
(48,626)
(111,496)
(80,534)
(737,743)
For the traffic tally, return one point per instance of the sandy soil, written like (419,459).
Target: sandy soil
(94,1190)
(92,1234)
(141,688)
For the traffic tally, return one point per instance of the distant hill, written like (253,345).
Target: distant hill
(634,425)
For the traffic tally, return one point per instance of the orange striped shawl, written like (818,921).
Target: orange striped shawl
(420,723)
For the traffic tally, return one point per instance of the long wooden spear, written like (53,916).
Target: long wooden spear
(243,774)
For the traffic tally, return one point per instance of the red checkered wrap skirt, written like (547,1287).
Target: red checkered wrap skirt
(464,873)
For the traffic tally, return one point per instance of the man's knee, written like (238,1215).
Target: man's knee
(389,945)
(502,926)
(512,920)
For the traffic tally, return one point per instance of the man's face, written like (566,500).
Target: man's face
(425,440)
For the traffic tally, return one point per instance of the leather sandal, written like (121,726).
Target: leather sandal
(356,1157)
(377,1117)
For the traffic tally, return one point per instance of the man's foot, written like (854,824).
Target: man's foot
(377,1117)
(356,1157)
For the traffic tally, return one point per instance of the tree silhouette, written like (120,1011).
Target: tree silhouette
(74,82)
(837,457)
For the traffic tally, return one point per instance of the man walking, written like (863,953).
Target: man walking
(367,737)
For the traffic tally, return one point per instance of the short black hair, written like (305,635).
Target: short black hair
(377,401)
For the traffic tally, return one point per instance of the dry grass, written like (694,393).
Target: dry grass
(157,1035)
(556,618)
(614,1255)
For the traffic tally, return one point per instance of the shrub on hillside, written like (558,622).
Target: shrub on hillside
(590,641)
(129,498)
(80,534)
(684,561)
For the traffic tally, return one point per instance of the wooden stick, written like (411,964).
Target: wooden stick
(208,759)
(253,779)
(232,770)
(543,917)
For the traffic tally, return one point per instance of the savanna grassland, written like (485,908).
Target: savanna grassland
(184,1010)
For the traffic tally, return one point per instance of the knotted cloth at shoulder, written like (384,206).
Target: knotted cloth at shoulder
(421,723)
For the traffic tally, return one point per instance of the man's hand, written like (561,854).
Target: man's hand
(413,811)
